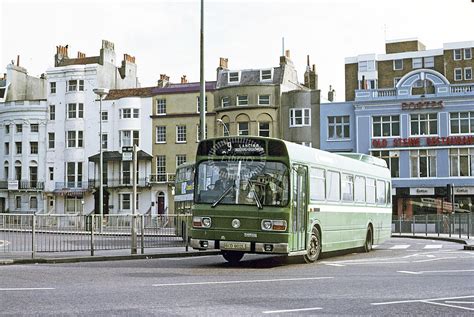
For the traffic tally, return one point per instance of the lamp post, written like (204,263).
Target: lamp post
(101,92)
(226,130)
(202,95)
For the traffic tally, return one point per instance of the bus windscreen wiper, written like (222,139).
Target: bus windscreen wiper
(228,189)
(257,200)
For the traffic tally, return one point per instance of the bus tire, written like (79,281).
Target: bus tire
(314,247)
(233,257)
(368,240)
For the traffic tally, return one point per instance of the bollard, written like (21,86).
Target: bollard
(459,220)
(92,234)
(439,224)
(400,227)
(33,237)
(413,225)
(426,226)
(142,228)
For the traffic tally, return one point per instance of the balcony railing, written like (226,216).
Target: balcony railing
(122,182)
(407,92)
(71,185)
(21,185)
(163,178)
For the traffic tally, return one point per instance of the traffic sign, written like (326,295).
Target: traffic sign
(127,153)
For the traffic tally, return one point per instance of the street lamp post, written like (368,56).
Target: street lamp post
(101,92)
(226,130)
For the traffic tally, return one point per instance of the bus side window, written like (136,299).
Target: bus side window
(381,193)
(370,190)
(359,189)
(317,184)
(333,185)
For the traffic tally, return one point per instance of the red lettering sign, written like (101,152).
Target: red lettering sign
(379,143)
(422,105)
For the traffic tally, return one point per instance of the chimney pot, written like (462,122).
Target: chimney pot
(287,53)
(223,62)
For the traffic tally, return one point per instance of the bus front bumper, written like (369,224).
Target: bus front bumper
(251,247)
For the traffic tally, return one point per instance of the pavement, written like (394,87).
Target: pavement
(169,252)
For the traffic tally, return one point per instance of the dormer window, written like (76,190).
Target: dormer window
(234,77)
(266,74)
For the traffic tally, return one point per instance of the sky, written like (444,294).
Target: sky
(163,35)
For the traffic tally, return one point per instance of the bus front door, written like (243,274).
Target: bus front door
(299,207)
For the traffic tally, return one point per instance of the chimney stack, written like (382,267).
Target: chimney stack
(331,94)
(223,63)
(184,80)
(61,53)
(18,60)
(310,76)
(81,55)
(163,81)
(129,58)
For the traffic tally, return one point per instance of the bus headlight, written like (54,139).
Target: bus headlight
(202,222)
(274,225)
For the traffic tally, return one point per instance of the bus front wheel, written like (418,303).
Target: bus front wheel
(314,247)
(368,240)
(232,257)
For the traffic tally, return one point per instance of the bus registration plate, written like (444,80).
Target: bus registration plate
(242,246)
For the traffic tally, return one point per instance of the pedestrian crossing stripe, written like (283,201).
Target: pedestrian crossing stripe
(400,246)
(406,246)
(433,246)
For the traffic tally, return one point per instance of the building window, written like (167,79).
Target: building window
(264,99)
(33,202)
(461,162)
(19,128)
(52,112)
(126,173)
(51,173)
(17,202)
(161,106)
(395,81)
(75,139)
(18,146)
(242,100)
(126,201)
(429,62)
(234,77)
(51,140)
(17,171)
(75,85)
(397,64)
(225,101)
(468,53)
(366,66)
(75,110)
(7,148)
(105,116)
(160,135)
(457,54)
(386,126)
(338,128)
(265,74)
(34,127)
(458,74)
(300,117)
(423,163)
(461,122)
(129,138)
(468,73)
(417,62)
(392,159)
(125,113)
(198,104)
(264,129)
(161,168)
(33,147)
(180,159)
(181,134)
(424,124)
(105,141)
(7,129)
(74,174)
(243,128)
(52,87)
(198,133)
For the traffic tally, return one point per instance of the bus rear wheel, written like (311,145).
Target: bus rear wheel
(368,240)
(314,247)
(233,257)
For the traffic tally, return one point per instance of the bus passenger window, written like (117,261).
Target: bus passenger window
(381,192)
(347,187)
(370,190)
(333,182)
(359,189)
(317,183)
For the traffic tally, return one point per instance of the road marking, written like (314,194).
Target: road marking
(419,300)
(437,259)
(27,289)
(447,305)
(457,302)
(334,264)
(246,281)
(400,246)
(433,246)
(445,271)
(290,310)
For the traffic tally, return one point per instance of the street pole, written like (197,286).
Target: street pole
(101,92)
(202,96)
(134,201)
